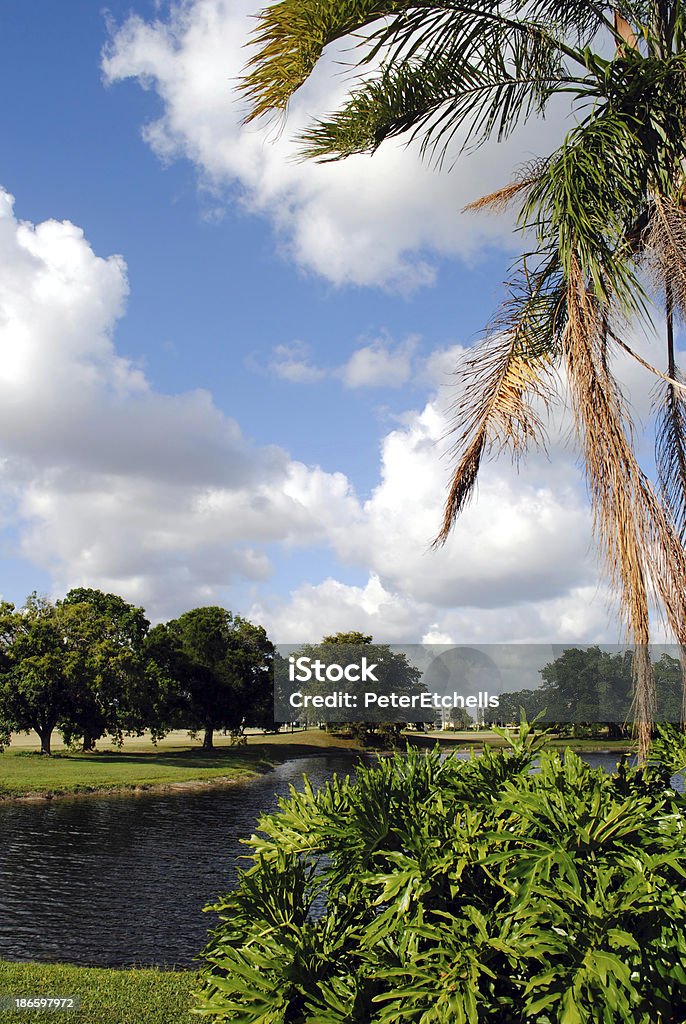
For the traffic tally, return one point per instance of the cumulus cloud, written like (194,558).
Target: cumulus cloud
(380,364)
(381,220)
(521,564)
(161,498)
(313,611)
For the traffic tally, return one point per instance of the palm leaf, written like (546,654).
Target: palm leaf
(612,474)
(499,380)
(291,36)
(478,94)
(525,179)
(586,198)
(665,248)
(642,550)
(670,452)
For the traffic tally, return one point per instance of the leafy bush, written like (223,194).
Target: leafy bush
(444,892)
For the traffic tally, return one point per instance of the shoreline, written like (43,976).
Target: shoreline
(255,761)
(267,756)
(132,789)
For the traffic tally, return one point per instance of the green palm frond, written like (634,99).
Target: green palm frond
(587,199)
(291,36)
(432,97)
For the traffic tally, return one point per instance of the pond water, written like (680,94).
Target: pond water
(121,880)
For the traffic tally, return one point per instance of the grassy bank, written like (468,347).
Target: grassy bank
(106,996)
(175,763)
(475,740)
(140,765)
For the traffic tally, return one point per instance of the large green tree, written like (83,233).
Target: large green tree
(220,667)
(77,665)
(604,215)
(39,668)
(119,691)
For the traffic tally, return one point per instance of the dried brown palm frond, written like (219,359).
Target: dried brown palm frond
(502,197)
(665,249)
(677,382)
(498,383)
(670,441)
(643,551)
(499,199)
(611,472)
(625,32)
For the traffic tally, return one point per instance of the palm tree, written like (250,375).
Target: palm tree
(606,212)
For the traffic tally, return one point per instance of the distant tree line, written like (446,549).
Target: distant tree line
(90,665)
(591,689)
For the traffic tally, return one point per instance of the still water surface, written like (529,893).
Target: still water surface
(123,880)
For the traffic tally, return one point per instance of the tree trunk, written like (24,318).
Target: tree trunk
(45,734)
(207,743)
(88,743)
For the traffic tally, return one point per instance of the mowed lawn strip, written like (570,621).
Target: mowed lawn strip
(146,996)
(24,772)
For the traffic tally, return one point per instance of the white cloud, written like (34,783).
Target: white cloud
(526,536)
(159,497)
(291,363)
(378,364)
(381,220)
(312,612)
(162,499)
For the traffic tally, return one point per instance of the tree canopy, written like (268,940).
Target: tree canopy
(117,694)
(592,687)
(89,665)
(393,673)
(220,667)
(39,665)
(76,665)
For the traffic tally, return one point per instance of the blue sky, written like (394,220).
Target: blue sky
(232,370)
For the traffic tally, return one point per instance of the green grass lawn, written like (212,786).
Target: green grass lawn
(139,764)
(475,740)
(107,996)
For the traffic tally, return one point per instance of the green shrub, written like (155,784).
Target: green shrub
(450,891)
